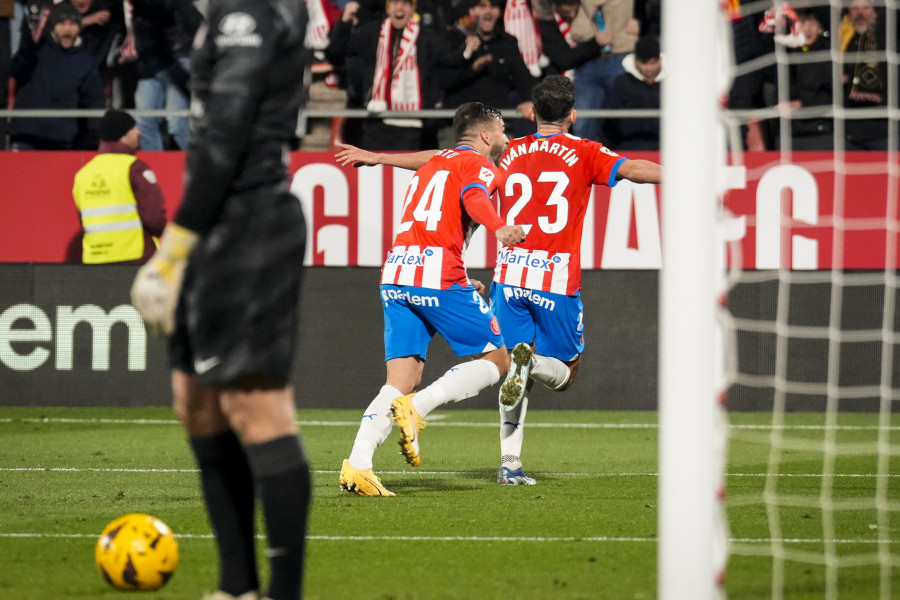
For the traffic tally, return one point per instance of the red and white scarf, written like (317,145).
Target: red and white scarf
(519,22)
(317,31)
(405,86)
(565,29)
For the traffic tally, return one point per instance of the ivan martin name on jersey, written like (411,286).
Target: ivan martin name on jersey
(516,150)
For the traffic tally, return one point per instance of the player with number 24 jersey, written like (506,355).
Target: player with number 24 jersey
(427,251)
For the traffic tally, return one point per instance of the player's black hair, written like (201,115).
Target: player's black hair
(553,98)
(471,116)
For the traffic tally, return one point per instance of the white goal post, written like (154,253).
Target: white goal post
(687,381)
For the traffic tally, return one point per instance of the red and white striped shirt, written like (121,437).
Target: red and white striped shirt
(436,222)
(546,189)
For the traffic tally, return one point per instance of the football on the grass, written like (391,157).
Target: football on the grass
(137,552)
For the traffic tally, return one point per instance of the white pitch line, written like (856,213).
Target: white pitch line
(432,422)
(418,472)
(437,422)
(337,423)
(465,538)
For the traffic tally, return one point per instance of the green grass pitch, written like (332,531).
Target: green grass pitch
(587,530)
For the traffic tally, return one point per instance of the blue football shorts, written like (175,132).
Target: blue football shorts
(554,323)
(412,315)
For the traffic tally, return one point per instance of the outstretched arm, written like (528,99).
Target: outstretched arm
(359,157)
(640,171)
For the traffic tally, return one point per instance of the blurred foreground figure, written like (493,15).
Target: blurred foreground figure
(232,263)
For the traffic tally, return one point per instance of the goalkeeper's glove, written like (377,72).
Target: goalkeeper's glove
(158,283)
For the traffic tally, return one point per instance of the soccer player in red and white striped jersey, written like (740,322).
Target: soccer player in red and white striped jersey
(427,251)
(545,186)
(425,290)
(547,181)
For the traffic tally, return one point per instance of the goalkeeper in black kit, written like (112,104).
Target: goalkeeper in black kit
(224,285)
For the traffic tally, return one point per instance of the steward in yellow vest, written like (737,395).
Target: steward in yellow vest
(118,198)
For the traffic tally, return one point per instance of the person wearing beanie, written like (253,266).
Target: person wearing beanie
(57,73)
(118,197)
(65,12)
(115,125)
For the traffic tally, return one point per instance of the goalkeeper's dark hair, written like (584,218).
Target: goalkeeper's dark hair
(553,98)
(471,117)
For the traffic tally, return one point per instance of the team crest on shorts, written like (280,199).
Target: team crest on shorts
(495,325)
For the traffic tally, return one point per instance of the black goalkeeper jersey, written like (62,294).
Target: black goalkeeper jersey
(247,87)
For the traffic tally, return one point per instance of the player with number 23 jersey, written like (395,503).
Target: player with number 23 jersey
(547,188)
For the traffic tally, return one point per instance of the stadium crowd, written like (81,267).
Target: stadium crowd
(410,55)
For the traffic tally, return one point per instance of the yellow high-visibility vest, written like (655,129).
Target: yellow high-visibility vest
(112,225)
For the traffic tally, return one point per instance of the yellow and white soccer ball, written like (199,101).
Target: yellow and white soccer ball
(137,552)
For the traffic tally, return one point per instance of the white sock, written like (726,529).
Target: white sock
(374,428)
(512,432)
(460,382)
(550,372)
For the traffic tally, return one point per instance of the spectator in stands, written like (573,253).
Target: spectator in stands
(118,197)
(811,83)
(164,35)
(614,20)
(397,65)
(465,19)
(356,15)
(637,88)
(865,79)
(519,21)
(560,47)
(57,72)
(101,21)
(755,88)
(491,69)
(649,15)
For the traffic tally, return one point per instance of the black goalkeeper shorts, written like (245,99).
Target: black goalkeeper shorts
(237,316)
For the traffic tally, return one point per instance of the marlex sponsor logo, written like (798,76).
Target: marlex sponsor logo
(510,257)
(408,258)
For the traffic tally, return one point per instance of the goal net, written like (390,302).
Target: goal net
(812,327)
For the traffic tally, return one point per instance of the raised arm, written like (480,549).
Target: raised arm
(640,171)
(359,158)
